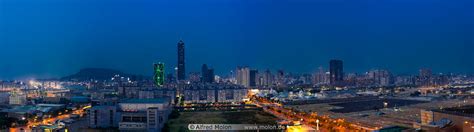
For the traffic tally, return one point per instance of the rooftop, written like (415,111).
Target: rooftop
(467,109)
(102,107)
(156,100)
(50,105)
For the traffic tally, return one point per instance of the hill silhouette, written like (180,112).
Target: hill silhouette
(101,74)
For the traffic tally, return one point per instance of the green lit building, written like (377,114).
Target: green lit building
(159,75)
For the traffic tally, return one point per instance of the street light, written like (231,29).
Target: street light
(317,124)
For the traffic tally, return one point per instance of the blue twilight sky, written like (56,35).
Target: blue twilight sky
(53,38)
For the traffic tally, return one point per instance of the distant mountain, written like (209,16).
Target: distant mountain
(100,74)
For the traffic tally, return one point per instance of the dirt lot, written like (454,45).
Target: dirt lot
(229,117)
(403,116)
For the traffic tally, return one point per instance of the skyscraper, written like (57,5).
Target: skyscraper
(207,74)
(336,71)
(210,75)
(253,78)
(159,74)
(181,67)
(243,76)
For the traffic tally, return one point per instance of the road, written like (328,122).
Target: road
(49,121)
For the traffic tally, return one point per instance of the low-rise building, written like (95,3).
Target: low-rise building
(144,114)
(4,97)
(459,119)
(211,93)
(17,98)
(144,92)
(103,117)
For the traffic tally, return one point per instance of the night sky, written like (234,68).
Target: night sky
(53,38)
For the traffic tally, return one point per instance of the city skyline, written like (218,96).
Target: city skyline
(236,65)
(306,35)
(173,69)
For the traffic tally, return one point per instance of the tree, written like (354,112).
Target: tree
(166,128)
(416,93)
(174,114)
(6,122)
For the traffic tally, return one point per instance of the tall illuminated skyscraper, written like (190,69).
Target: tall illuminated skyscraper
(159,74)
(181,67)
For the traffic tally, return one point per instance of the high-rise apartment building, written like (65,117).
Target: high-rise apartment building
(243,76)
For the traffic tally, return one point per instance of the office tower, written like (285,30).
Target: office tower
(207,74)
(336,71)
(159,75)
(181,66)
(253,78)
